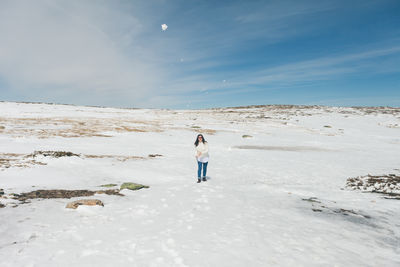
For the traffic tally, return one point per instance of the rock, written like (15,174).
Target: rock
(132,186)
(1,192)
(155,155)
(2,205)
(87,202)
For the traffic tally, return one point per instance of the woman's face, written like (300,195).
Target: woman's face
(200,138)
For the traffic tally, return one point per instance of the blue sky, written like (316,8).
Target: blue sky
(213,54)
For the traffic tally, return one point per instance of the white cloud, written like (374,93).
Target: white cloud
(72,48)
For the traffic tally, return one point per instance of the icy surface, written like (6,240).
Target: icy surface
(276,198)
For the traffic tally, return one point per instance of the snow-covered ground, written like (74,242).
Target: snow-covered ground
(276,198)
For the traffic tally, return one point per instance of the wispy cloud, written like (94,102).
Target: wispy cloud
(192,90)
(74,47)
(326,67)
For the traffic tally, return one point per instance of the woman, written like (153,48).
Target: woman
(201,153)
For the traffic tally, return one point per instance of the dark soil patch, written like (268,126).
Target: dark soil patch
(54,154)
(155,155)
(60,193)
(318,206)
(383,184)
(311,199)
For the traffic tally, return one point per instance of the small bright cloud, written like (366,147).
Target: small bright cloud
(164,27)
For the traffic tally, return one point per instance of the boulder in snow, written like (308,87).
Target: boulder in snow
(88,202)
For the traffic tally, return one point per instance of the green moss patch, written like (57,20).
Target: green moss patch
(132,186)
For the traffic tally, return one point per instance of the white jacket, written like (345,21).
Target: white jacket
(202,149)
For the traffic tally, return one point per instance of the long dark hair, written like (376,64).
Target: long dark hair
(196,143)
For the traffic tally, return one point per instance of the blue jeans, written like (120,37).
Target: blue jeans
(204,166)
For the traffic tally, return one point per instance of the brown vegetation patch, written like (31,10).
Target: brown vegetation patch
(61,193)
(383,184)
(204,131)
(74,127)
(130,129)
(54,154)
(283,148)
(120,158)
(378,110)
(8,160)
(209,131)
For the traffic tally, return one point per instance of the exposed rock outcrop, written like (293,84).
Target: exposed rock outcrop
(87,202)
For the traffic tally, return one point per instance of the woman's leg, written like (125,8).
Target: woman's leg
(205,169)
(199,169)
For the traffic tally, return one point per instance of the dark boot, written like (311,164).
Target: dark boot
(204,179)
(198,180)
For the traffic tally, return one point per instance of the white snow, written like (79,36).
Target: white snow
(251,211)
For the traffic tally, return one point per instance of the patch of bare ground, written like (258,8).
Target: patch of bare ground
(284,112)
(389,185)
(268,112)
(24,198)
(61,193)
(8,160)
(74,127)
(283,148)
(378,110)
(119,158)
(205,131)
(330,208)
(54,154)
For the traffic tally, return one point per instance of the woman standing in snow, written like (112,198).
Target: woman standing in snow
(201,153)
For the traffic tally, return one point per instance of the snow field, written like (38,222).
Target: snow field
(252,211)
